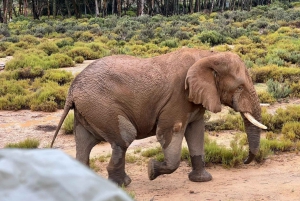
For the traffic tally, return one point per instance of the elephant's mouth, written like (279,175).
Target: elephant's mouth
(254,121)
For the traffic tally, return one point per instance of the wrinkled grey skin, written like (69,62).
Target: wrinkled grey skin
(122,98)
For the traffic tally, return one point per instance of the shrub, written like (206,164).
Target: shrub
(79,59)
(212,37)
(170,43)
(282,116)
(266,97)
(4,30)
(26,144)
(31,60)
(49,48)
(278,90)
(30,39)
(152,152)
(86,37)
(62,60)
(263,74)
(29,73)
(228,122)
(65,42)
(14,102)
(58,76)
(291,130)
(49,97)
(85,52)
(295,87)
(68,124)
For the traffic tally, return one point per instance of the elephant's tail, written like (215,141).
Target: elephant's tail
(68,106)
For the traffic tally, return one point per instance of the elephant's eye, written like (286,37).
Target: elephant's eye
(240,88)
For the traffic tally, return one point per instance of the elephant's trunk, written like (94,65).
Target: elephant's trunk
(253,129)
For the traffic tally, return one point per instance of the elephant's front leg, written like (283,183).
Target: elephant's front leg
(171,141)
(194,136)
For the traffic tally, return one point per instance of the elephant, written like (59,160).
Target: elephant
(121,98)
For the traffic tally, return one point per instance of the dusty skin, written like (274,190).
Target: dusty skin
(278,178)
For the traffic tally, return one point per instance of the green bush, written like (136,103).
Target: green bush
(49,97)
(282,116)
(212,37)
(291,130)
(263,74)
(30,39)
(79,59)
(278,90)
(295,87)
(29,73)
(62,60)
(49,47)
(31,60)
(85,52)
(68,124)
(229,122)
(26,144)
(65,42)
(266,97)
(152,152)
(170,43)
(59,76)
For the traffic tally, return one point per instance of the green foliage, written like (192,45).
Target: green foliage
(49,97)
(61,77)
(65,42)
(295,87)
(79,59)
(266,97)
(275,122)
(151,152)
(68,124)
(278,90)
(49,48)
(170,43)
(212,37)
(263,74)
(229,122)
(62,60)
(291,130)
(26,144)
(130,158)
(229,157)
(85,52)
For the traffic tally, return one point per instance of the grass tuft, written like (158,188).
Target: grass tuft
(29,143)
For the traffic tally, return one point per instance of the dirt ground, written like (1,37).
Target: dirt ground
(277,179)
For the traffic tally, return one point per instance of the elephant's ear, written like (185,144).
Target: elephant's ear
(200,80)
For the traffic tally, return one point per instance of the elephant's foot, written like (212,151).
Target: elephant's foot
(152,171)
(125,180)
(199,174)
(156,168)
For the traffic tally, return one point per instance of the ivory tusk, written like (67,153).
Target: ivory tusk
(254,121)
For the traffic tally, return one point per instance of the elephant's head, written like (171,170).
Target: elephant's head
(223,79)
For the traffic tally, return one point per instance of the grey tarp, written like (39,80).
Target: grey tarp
(51,175)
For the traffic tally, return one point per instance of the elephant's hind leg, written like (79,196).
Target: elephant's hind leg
(85,141)
(116,166)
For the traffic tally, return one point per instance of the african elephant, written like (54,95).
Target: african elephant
(121,98)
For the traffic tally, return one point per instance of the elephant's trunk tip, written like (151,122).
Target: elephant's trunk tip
(250,158)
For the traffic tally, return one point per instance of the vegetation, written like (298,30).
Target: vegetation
(28,143)
(78,8)
(68,124)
